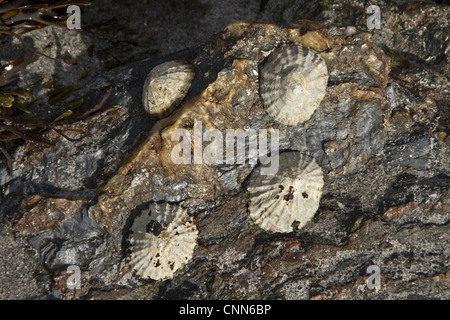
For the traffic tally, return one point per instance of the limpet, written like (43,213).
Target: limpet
(293,83)
(162,240)
(288,199)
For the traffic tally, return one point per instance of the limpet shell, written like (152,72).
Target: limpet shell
(162,240)
(288,199)
(165,87)
(293,83)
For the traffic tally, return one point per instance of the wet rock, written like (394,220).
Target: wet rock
(379,141)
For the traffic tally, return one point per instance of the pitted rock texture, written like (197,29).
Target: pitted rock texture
(166,85)
(380,144)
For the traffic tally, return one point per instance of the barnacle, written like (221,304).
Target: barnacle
(289,198)
(165,87)
(293,83)
(162,240)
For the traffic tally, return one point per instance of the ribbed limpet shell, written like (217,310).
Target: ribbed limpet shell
(293,83)
(288,199)
(165,87)
(162,240)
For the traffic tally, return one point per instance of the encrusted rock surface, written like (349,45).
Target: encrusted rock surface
(380,136)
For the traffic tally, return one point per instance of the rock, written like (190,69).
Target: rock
(21,276)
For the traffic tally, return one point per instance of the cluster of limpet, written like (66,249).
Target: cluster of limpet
(162,241)
(289,199)
(165,87)
(293,83)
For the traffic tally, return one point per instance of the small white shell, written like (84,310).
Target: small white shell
(293,83)
(289,198)
(163,241)
(165,87)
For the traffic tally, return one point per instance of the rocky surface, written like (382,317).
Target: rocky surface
(380,136)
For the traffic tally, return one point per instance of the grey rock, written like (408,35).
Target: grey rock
(385,200)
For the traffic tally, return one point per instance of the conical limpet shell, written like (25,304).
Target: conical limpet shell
(288,199)
(165,87)
(162,240)
(293,83)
